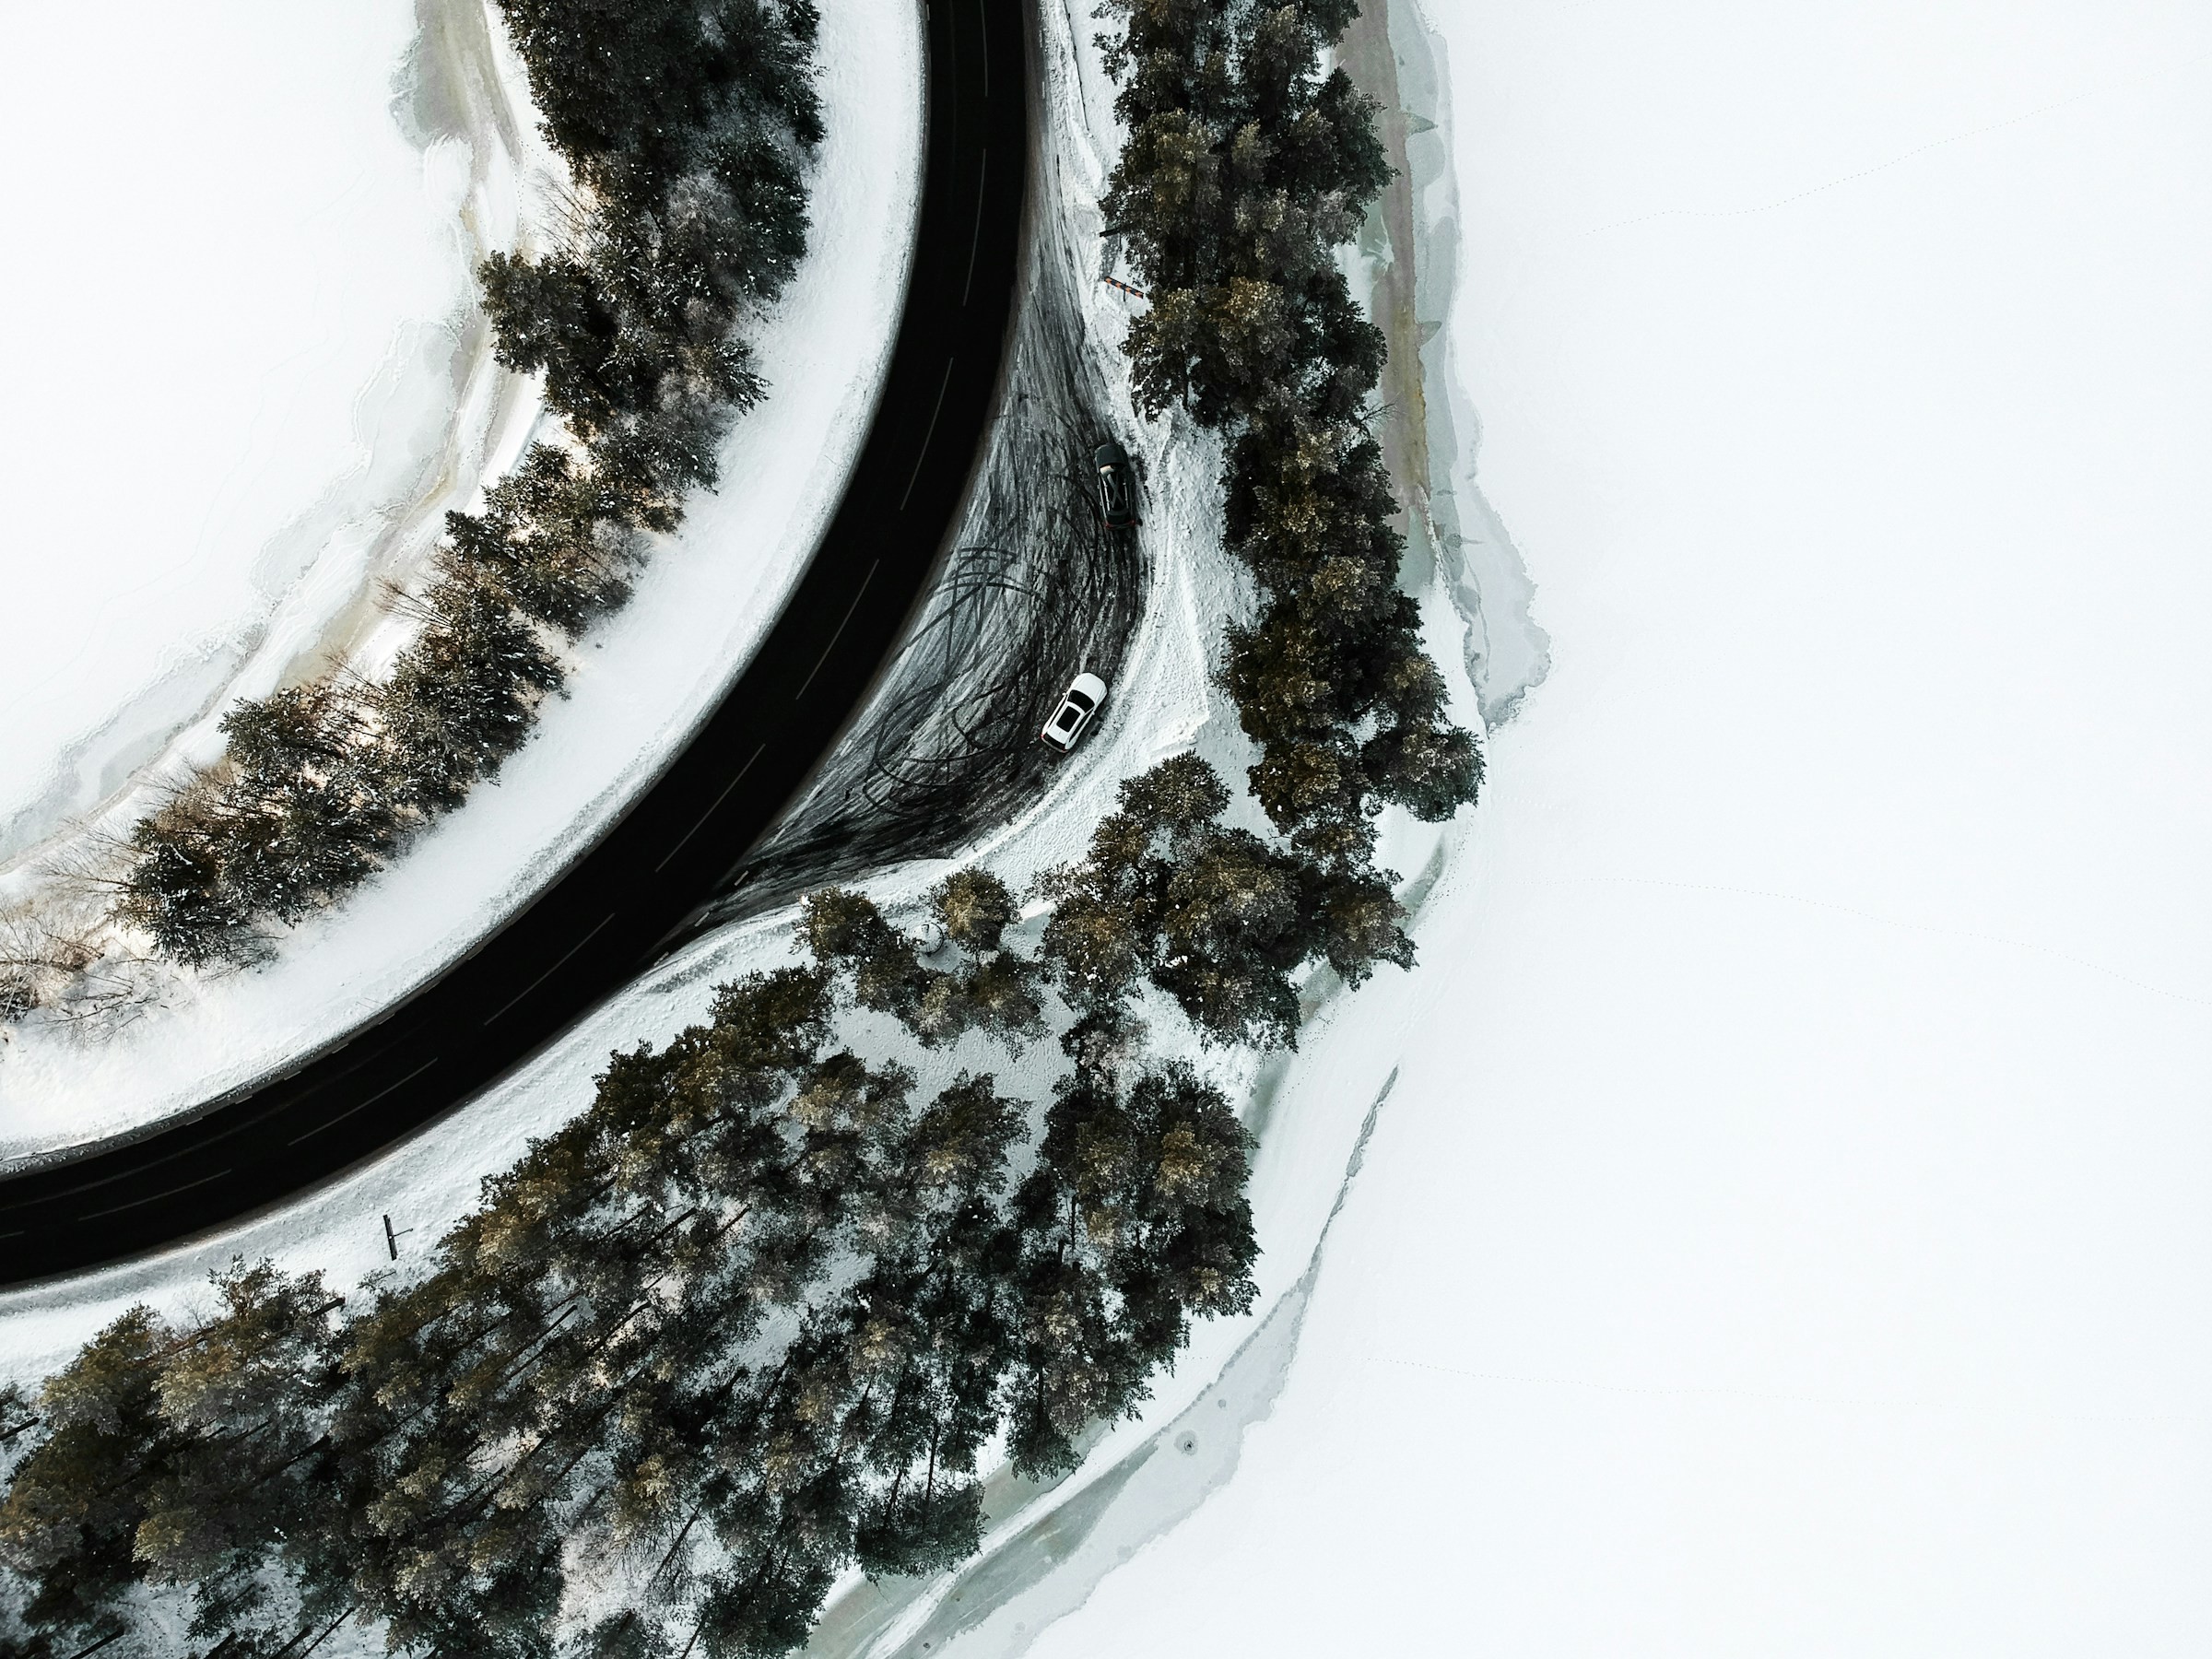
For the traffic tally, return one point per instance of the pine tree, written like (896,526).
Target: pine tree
(1213,915)
(974,908)
(242,1395)
(1134,1220)
(71,1515)
(311,816)
(462,698)
(993,989)
(637,93)
(552,538)
(176,889)
(1245,167)
(553,316)
(845,929)
(625,1635)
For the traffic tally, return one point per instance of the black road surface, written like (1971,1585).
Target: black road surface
(619,907)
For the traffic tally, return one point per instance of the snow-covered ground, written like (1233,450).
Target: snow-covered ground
(640,683)
(1790,1230)
(1310,1109)
(244,364)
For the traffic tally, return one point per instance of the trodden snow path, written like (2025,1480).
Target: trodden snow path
(644,677)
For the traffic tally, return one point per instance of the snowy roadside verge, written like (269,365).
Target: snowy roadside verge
(639,686)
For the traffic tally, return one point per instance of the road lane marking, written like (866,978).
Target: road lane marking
(711,811)
(935,410)
(841,629)
(983,175)
(363,1105)
(549,972)
(133,1204)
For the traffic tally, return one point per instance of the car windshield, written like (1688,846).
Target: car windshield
(1078,701)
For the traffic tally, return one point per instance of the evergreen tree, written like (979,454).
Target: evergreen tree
(1211,914)
(846,930)
(71,1515)
(553,316)
(1134,1220)
(241,1396)
(640,93)
(974,908)
(1246,167)
(462,698)
(625,1635)
(175,889)
(553,539)
(993,989)
(590,1306)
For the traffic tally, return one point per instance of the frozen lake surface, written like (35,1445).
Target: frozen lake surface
(1790,1230)
(238,294)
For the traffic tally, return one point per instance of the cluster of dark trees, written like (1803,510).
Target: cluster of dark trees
(1245,168)
(1168,895)
(749,1319)
(755,1314)
(686,124)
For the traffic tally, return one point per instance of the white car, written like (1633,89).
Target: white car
(1073,713)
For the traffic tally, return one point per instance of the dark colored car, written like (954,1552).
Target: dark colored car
(1117,486)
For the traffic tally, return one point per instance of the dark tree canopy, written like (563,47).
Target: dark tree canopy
(1247,165)
(752,1317)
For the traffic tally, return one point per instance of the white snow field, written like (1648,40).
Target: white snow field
(639,684)
(1791,1229)
(241,353)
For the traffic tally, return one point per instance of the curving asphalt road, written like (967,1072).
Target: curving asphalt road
(679,846)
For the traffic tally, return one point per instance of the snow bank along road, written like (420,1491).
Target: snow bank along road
(680,844)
